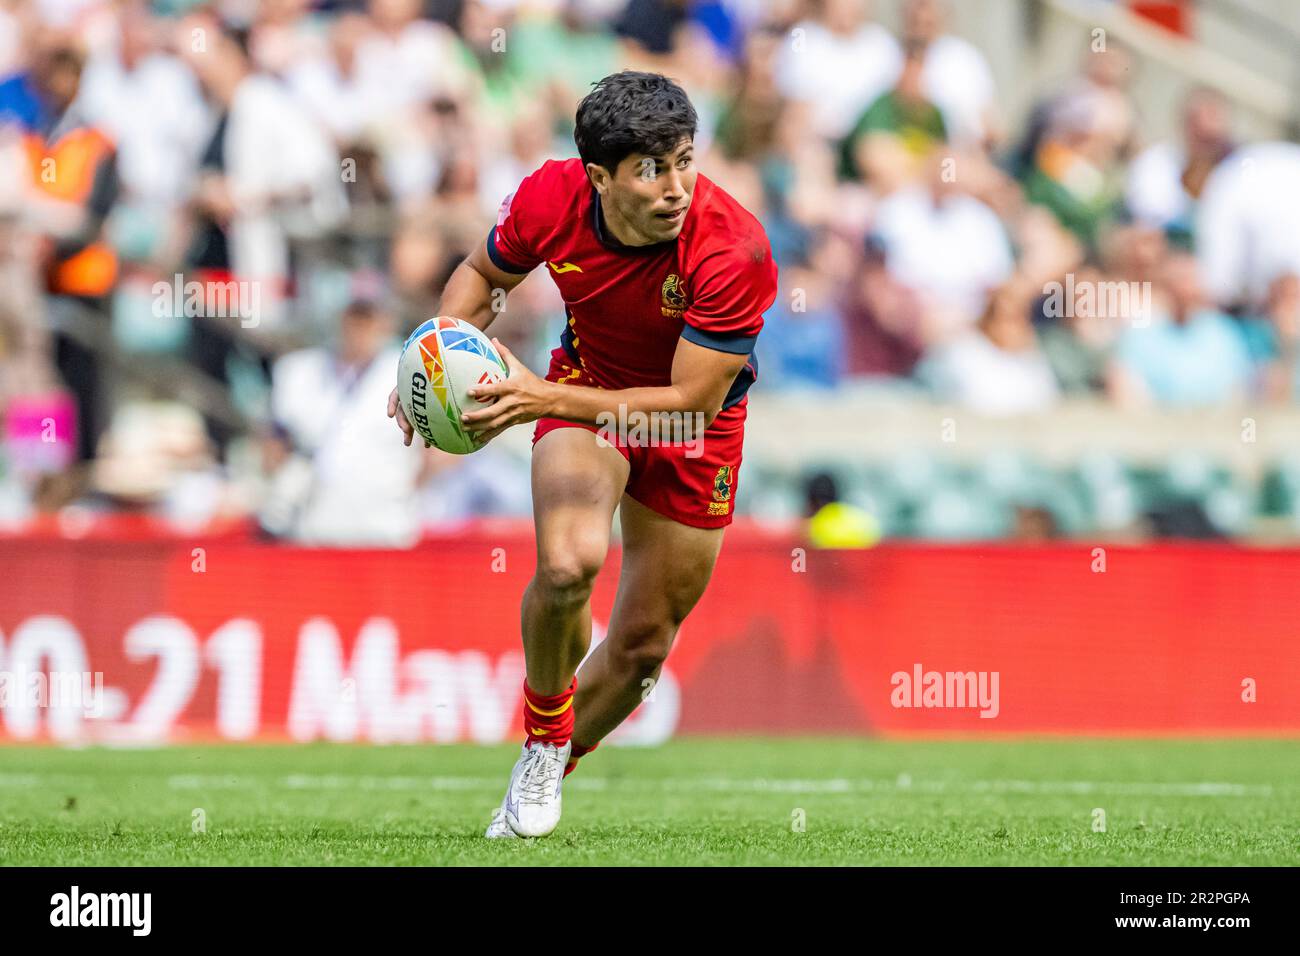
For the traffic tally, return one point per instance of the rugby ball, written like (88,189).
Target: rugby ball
(441,361)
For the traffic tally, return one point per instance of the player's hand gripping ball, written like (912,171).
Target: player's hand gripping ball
(441,361)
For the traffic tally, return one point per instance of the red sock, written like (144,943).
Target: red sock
(549,719)
(578,751)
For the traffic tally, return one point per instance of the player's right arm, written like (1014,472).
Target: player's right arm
(477,289)
(475,292)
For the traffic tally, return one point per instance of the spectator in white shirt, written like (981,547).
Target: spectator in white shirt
(280,178)
(955,77)
(151,105)
(945,245)
(341,476)
(997,368)
(1248,222)
(418,58)
(1166,179)
(863,59)
(343,96)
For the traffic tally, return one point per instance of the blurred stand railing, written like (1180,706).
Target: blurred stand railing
(1087,469)
(790,429)
(158,374)
(1263,33)
(1239,55)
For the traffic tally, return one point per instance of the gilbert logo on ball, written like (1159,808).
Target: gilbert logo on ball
(441,361)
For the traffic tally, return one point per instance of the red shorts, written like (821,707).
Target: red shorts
(691,484)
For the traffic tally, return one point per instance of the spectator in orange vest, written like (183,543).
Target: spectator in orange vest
(74,186)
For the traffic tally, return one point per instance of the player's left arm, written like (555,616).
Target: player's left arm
(701,378)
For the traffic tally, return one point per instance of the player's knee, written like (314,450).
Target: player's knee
(644,649)
(566,577)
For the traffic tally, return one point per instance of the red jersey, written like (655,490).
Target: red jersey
(627,306)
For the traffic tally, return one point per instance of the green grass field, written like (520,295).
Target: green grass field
(691,802)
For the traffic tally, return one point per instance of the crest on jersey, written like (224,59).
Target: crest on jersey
(674,297)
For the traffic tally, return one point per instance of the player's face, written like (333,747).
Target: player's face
(648,196)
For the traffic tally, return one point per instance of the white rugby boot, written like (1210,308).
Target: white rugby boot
(532,802)
(499,829)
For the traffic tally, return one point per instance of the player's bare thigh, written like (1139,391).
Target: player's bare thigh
(666,569)
(577,484)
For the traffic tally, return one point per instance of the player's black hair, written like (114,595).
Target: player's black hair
(632,112)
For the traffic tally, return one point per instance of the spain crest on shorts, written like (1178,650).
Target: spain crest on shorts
(722,483)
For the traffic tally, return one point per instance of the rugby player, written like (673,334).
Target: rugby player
(665,278)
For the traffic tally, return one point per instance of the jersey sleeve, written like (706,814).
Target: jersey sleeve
(512,245)
(732,290)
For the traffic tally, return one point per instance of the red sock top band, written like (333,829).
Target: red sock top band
(549,718)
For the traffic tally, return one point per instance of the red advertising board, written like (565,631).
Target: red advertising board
(164,639)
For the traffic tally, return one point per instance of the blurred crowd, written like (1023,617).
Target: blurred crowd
(218,221)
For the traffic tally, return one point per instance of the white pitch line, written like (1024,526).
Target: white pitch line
(906,784)
(830,785)
(19,779)
(685,784)
(834,785)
